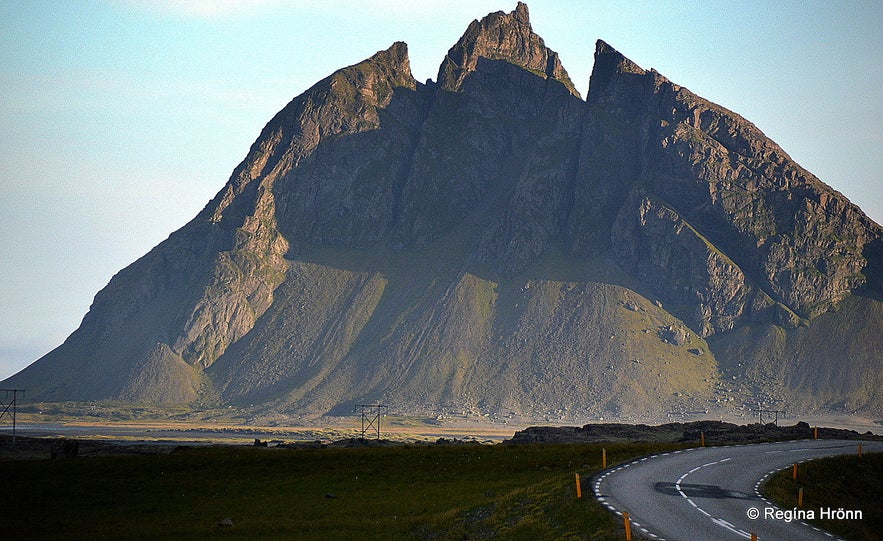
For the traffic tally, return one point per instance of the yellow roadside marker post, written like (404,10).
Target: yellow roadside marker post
(628,526)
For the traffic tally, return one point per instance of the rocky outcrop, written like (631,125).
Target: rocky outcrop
(711,432)
(507,37)
(491,244)
(696,280)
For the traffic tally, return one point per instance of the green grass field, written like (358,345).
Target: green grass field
(431,492)
(847,482)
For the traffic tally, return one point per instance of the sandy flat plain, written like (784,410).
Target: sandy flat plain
(327,430)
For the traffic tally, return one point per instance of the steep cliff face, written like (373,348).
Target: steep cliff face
(803,245)
(493,244)
(670,256)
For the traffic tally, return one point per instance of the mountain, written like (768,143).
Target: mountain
(491,244)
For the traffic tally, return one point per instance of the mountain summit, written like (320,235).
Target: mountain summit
(491,244)
(501,36)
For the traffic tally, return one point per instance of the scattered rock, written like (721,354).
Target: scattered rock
(673,335)
(226,523)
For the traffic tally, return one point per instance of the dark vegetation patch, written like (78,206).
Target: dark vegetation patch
(431,492)
(715,433)
(27,448)
(844,482)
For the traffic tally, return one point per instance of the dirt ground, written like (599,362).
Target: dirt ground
(46,439)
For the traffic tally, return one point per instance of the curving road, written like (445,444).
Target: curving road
(712,492)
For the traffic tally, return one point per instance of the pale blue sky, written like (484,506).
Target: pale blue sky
(120,120)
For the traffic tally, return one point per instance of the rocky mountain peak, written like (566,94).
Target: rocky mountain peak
(395,64)
(521,13)
(611,57)
(610,67)
(480,244)
(347,101)
(502,36)
(793,247)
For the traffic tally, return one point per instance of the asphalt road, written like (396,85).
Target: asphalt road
(712,493)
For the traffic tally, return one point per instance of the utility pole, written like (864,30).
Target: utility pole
(12,404)
(371,414)
(771,412)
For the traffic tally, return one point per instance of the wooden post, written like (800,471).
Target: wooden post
(753,536)
(579,488)
(815,433)
(859,449)
(794,472)
(603,458)
(702,439)
(628,526)
(800,497)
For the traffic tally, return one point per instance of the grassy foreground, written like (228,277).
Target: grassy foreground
(403,492)
(847,482)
